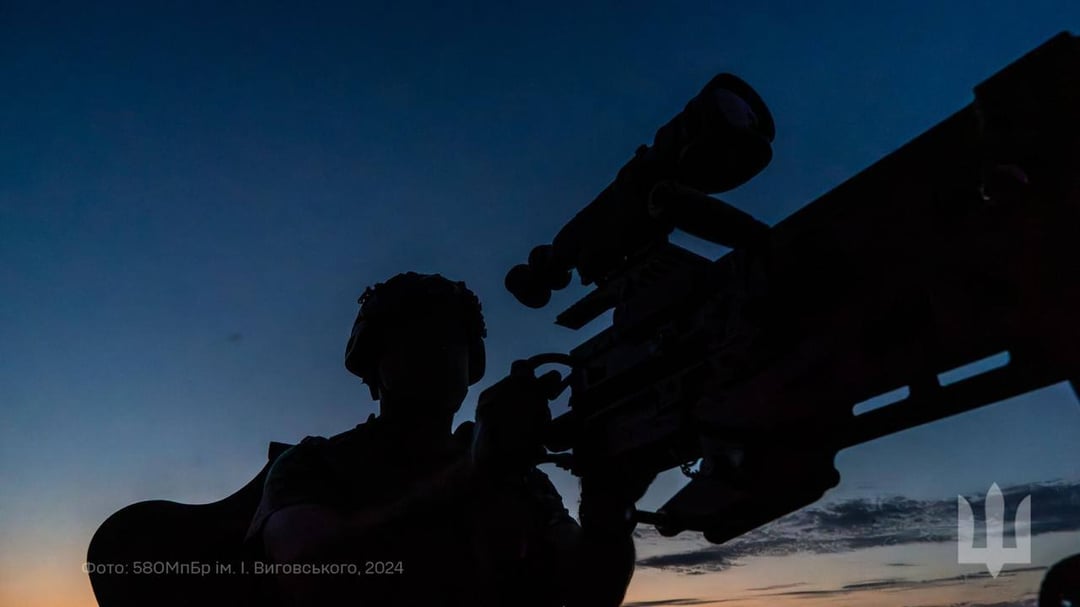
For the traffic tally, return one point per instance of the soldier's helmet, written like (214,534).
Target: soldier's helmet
(406,296)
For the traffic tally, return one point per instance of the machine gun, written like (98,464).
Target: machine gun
(958,246)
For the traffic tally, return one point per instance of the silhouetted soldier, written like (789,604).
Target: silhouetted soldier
(424,516)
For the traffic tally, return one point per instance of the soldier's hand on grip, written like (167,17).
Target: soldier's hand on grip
(511,420)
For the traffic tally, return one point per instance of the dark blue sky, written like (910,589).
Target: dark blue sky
(193,196)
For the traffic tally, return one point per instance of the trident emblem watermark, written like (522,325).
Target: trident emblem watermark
(995,554)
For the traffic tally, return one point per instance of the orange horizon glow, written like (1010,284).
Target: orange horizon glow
(39,581)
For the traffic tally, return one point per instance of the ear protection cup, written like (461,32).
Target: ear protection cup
(414,293)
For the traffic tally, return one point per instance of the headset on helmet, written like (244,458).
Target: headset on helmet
(399,296)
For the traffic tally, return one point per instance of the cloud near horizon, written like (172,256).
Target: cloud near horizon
(892,584)
(856,524)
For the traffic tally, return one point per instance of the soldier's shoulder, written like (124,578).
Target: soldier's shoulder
(314,452)
(355,434)
(301,461)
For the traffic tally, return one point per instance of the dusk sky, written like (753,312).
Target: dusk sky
(192,196)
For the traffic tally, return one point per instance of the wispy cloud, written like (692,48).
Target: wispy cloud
(673,602)
(776,587)
(895,584)
(867,523)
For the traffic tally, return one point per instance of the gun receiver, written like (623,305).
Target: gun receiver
(959,245)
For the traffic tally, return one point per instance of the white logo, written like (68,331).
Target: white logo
(995,554)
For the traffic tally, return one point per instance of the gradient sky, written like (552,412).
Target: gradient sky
(193,196)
